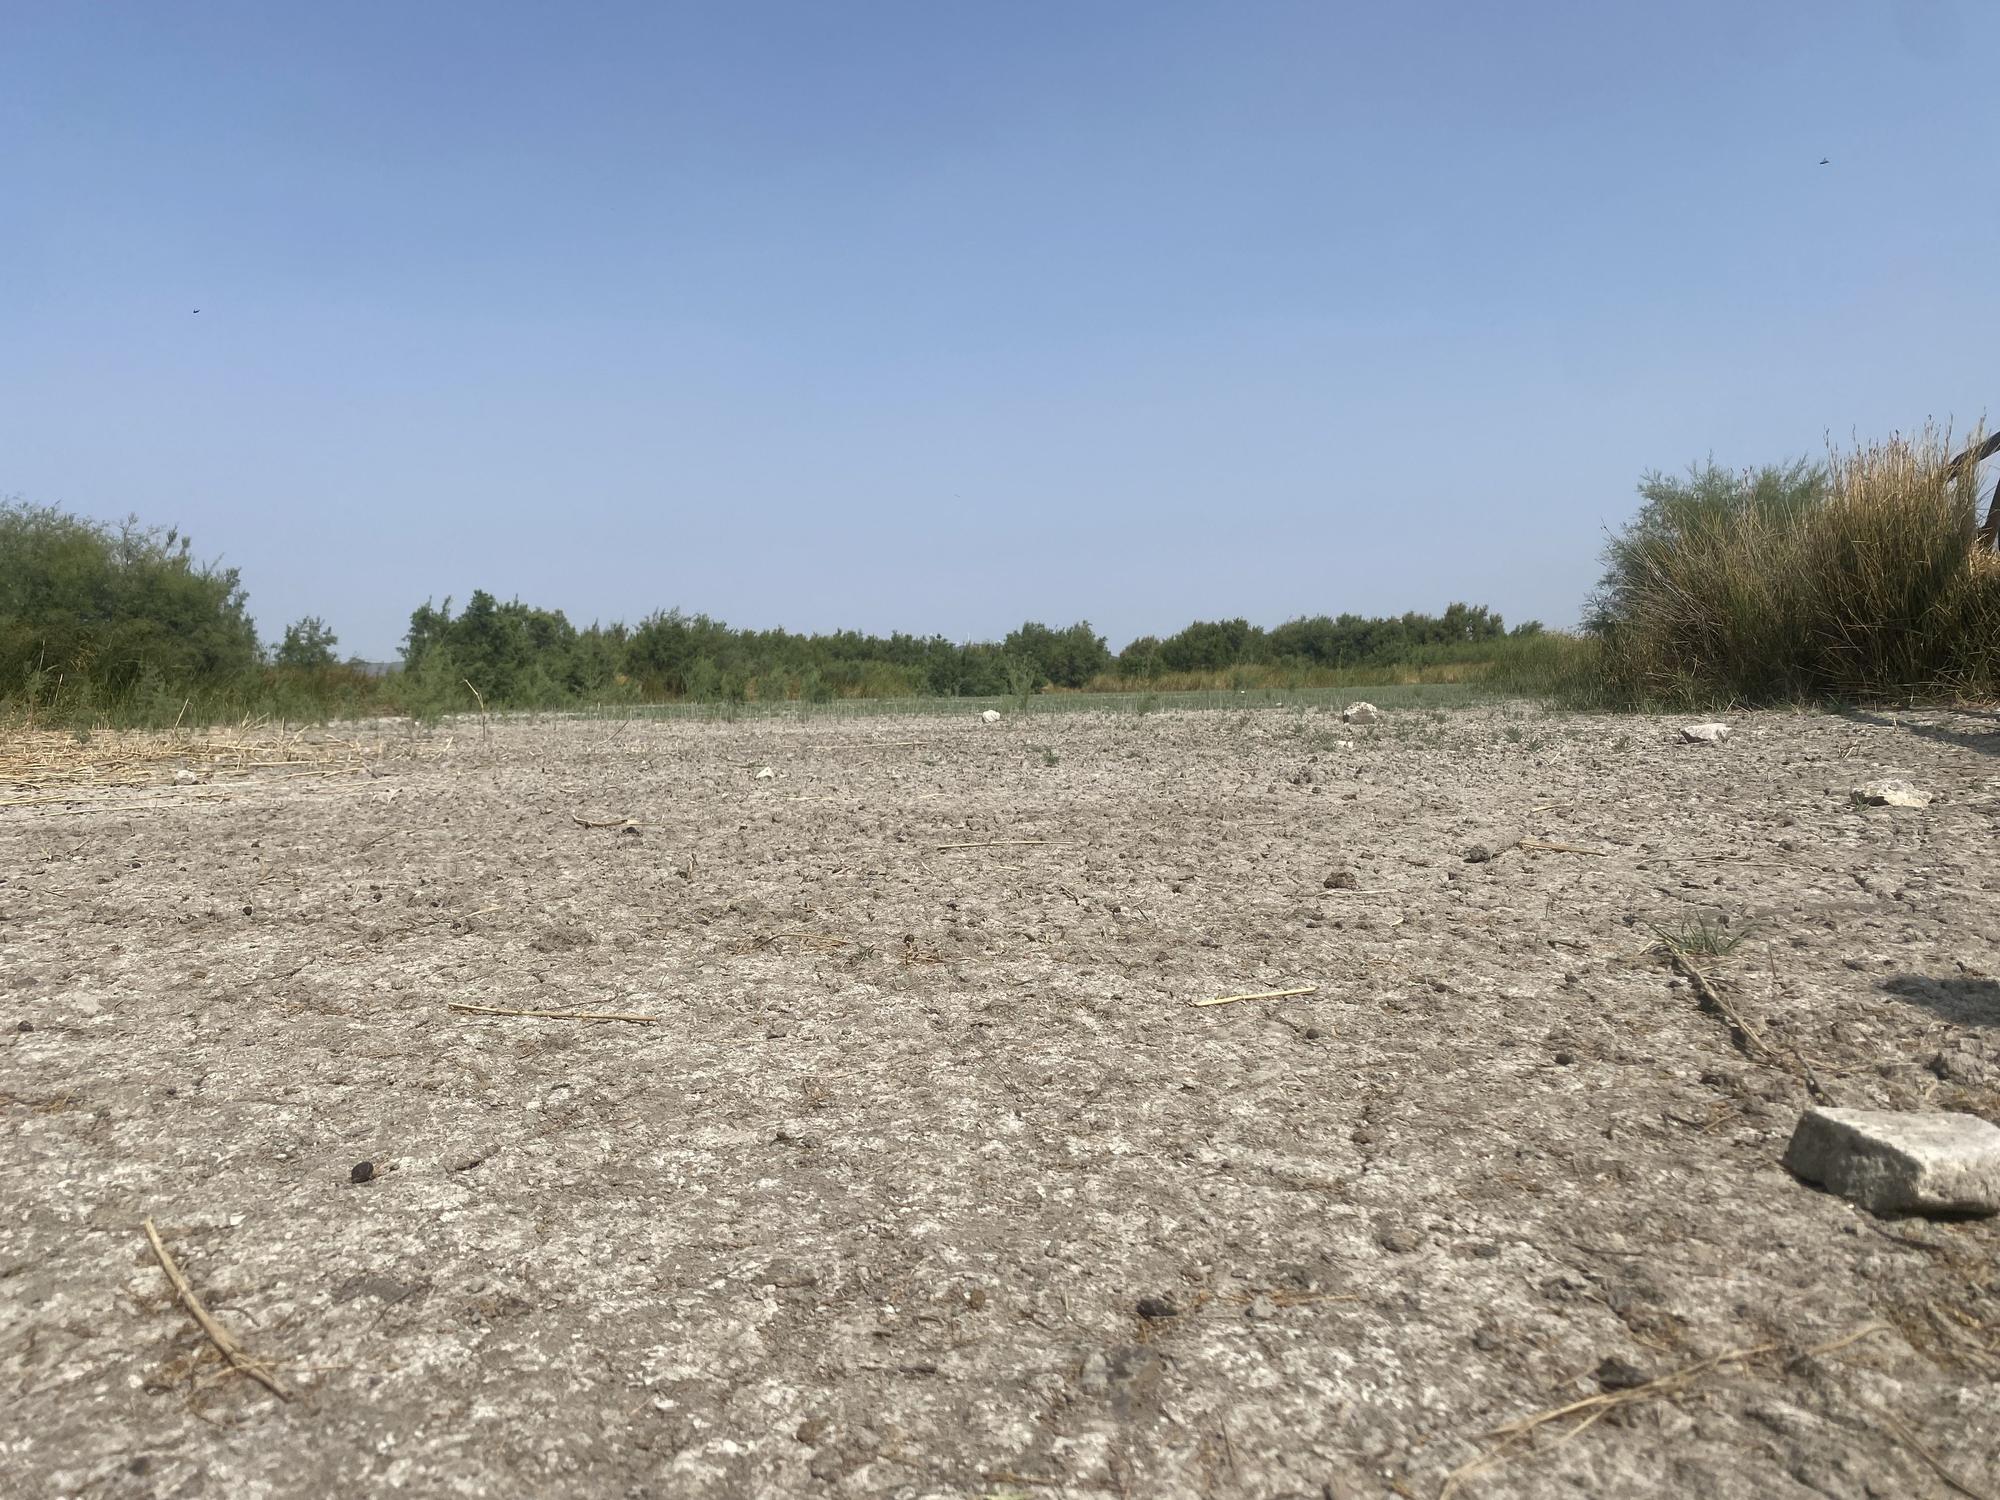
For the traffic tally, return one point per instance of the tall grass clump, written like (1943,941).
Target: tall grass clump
(1860,578)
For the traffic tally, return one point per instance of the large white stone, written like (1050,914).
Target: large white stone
(1891,791)
(1704,734)
(991,716)
(1360,713)
(1900,1161)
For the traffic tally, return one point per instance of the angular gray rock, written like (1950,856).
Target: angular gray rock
(1360,713)
(1900,1161)
(1891,791)
(1704,734)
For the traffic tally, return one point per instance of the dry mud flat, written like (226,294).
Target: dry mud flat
(873,1207)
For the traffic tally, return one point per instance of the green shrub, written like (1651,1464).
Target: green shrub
(84,603)
(307,646)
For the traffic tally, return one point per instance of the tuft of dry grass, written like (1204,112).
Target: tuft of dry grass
(1861,578)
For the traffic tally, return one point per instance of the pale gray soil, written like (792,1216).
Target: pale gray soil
(871,1209)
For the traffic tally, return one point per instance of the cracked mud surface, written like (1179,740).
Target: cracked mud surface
(872,1208)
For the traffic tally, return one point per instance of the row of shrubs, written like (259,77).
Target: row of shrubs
(1866,576)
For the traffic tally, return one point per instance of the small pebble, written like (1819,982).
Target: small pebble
(1158,1307)
(1564,1059)
(363,1171)
(1339,880)
(1400,1241)
(25,1026)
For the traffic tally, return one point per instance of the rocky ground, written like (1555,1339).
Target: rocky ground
(930,1179)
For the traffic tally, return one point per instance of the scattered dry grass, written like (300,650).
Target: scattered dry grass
(45,766)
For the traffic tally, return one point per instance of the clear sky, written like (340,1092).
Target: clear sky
(940,316)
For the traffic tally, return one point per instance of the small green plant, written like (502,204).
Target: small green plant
(1700,937)
(1513,733)
(1048,754)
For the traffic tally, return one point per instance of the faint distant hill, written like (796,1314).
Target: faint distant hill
(374,668)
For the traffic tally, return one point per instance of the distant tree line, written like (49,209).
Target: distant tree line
(117,611)
(1318,641)
(515,653)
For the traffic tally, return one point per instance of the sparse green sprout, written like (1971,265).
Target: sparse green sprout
(1700,937)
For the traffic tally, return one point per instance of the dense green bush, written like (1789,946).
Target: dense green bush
(114,608)
(1065,658)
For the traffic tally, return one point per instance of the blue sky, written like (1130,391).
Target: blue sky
(941,316)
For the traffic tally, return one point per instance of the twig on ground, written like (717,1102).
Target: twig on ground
(1543,846)
(1745,1036)
(991,844)
(1743,1033)
(551,1015)
(233,1353)
(1590,1409)
(1305,989)
(1936,1464)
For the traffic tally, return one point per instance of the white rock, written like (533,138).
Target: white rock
(1900,1161)
(1360,713)
(1891,791)
(991,716)
(1704,734)
(185,777)
(765,773)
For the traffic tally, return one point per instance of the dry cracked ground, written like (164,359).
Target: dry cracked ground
(930,1179)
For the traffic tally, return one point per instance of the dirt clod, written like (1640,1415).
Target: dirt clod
(1615,1374)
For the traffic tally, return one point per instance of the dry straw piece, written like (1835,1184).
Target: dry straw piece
(621,824)
(1306,989)
(467,1008)
(233,1353)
